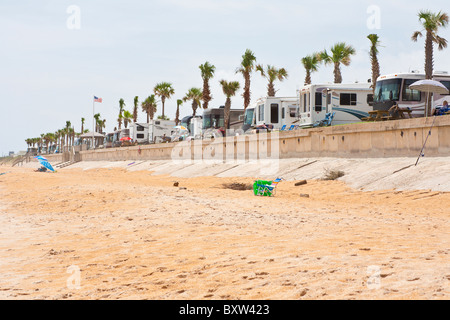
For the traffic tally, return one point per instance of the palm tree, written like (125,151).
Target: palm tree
(97,121)
(149,106)
(120,117)
(207,71)
(102,124)
(28,141)
(127,117)
(48,139)
(311,64)
(67,131)
(229,89)
(246,68)
(431,23)
(71,136)
(340,54)
(177,114)
(271,74)
(82,124)
(375,42)
(135,109)
(164,90)
(194,94)
(58,135)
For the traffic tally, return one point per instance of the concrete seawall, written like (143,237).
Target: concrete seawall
(399,138)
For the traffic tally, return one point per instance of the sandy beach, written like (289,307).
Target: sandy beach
(112,233)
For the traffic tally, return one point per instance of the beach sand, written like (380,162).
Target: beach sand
(116,234)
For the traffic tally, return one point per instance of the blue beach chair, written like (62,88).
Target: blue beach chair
(325,122)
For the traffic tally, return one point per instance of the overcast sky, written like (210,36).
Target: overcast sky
(55,55)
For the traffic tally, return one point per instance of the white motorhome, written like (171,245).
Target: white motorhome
(140,132)
(194,124)
(349,102)
(394,89)
(152,132)
(275,111)
(119,135)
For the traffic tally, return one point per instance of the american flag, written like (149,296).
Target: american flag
(97,99)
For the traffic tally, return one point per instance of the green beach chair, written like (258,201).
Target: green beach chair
(265,188)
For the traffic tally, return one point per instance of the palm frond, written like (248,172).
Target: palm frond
(416,35)
(441,42)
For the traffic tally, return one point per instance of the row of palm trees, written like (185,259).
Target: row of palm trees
(61,137)
(200,97)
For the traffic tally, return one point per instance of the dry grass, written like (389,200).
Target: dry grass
(237,186)
(333,174)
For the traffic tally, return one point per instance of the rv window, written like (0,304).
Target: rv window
(249,116)
(206,122)
(139,128)
(348,99)
(218,121)
(306,102)
(305,99)
(387,90)
(318,102)
(409,94)
(370,99)
(447,85)
(140,136)
(282,113)
(235,117)
(274,113)
(157,122)
(261,112)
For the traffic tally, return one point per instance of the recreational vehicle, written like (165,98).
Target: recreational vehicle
(349,103)
(214,119)
(140,132)
(152,132)
(194,124)
(274,111)
(108,141)
(394,89)
(119,136)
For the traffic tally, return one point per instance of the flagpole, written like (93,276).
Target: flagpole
(93,121)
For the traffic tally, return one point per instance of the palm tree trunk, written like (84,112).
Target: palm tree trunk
(375,70)
(206,94)
(429,61)
(163,100)
(337,73)
(226,112)
(194,107)
(246,94)
(177,115)
(308,77)
(270,89)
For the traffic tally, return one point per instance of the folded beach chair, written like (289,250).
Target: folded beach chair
(325,122)
(283,128)
(292,127)
(265,188)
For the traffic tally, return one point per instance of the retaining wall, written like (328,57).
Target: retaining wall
(403,138)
